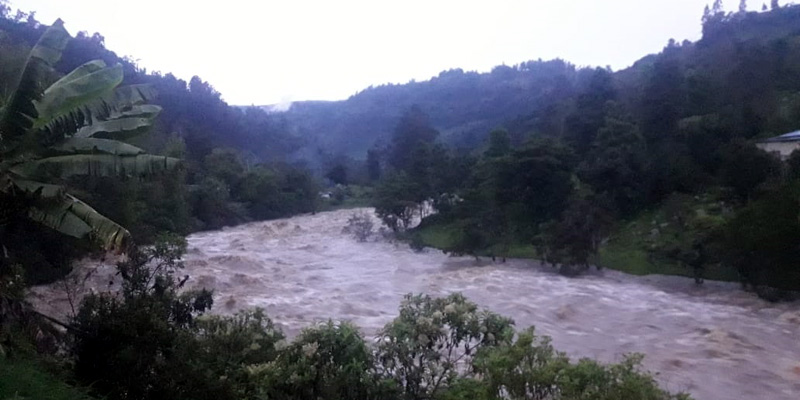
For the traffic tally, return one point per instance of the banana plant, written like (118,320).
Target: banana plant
(72,127)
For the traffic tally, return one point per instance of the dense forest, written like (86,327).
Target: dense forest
(652,169)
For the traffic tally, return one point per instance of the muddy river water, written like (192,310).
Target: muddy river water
(715,342)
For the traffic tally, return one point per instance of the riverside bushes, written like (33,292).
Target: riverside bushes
(155,341)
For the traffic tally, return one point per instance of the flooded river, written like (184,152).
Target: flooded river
(716,342)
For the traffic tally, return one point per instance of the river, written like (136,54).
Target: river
(715,341)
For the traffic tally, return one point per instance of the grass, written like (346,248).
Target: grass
(631,248)
(633,245)
(352,196)
(27,380)
(442,237)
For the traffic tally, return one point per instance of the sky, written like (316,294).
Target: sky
(266,52)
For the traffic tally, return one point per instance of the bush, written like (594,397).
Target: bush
(138,344)
(360,225)
(329,361)
(531,369)
(229,346)
(432,342)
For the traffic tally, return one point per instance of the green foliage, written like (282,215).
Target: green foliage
(359,225)
(760,241)
(529,368)
(337,174)
(54,131)
(572,240)
(138,345)
(395,202)
(744,168)
(433,341)
(25,379)
(230,346)
(328,361)
(615,164)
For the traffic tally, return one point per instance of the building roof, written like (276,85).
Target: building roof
(789,137)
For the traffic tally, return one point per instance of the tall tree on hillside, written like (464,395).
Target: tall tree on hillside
(414,129)
(664,97)
(374,165)
(590,111)
(68,128)
(615,165)
(742,6)
(717,8)
(499,143)
(538,182)
(775,5)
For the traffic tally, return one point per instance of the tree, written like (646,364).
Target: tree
(571,240)
(742,6)
(774,5)
(539,182)
(69,129)
(761,241)
(590,111)
(413,129)
(717,8)
(337,174)
(395,202)
(744,168)
(374,171)
(615,166)
(706,14)
(499,143)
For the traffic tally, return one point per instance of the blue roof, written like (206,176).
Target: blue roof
(789,137)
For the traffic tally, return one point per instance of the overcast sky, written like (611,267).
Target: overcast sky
(266,51)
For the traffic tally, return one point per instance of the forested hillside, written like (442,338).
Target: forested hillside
(652,169)
(743,70)
(462,105)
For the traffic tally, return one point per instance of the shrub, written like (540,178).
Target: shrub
(139,344)
(530,368)
(432,342)
(359,225)
(229,346)
(329,361)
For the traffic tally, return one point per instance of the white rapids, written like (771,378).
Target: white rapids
(715,341)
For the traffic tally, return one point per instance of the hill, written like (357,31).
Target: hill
(463,106)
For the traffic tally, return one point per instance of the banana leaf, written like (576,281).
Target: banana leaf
(73,217)
(77,90)
(39,189)
(121,129)
(95,165)
(19,113)
(93,146)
